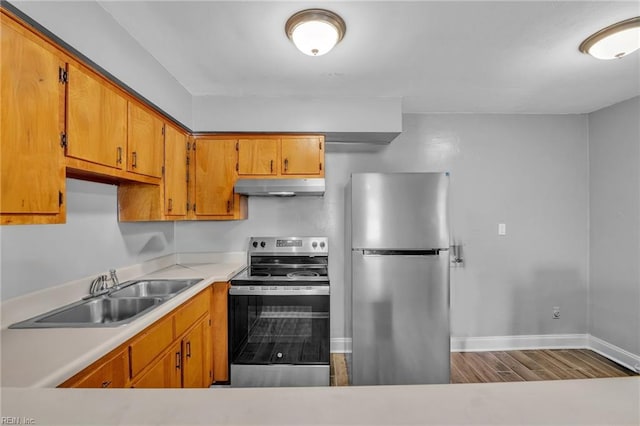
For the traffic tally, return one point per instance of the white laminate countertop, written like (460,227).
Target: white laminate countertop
(613,401)
(46,357)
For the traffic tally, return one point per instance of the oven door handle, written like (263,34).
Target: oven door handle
(279,291)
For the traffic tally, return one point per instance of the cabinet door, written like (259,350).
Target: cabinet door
(219,332)
(96,120)
(32,119)
(148,344)
(175,172)
(197,363)
(166,372)
(146,142)
(215,174)
(302,155)
(111,374)
(257,157)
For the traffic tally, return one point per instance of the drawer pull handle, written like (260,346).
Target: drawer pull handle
(286,164)
(170,204)
(188,349)
(134,162)
(119,158)
(178,360)
(271,165)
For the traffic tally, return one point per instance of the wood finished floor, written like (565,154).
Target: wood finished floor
(513,366)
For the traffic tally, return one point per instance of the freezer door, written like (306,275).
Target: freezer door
(399,210)
(400,312)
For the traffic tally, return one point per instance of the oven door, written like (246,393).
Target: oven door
(279,337)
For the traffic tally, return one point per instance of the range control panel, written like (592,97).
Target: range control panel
(300,245)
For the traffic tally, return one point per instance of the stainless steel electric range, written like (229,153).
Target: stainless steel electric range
(279,314)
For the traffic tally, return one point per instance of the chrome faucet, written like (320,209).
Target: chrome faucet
(115,283)
(98,285)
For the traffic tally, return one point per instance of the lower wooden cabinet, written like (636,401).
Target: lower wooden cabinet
(166,372)
(111,371)
(174,352)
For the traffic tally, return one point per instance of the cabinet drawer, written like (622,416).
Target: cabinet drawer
(150,343)
(194,309)
(113,373)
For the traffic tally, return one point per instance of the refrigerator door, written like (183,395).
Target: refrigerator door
(399,210)
(400,318)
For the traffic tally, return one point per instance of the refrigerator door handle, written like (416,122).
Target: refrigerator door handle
(414,253)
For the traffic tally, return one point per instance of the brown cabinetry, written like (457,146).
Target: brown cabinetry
(96,119)
(258,157)
(176,172)
(219,331)
(110,372)
(145,141)
(32,121)
(302,155)
(281,156)
(166,372)
(214,174)
(196,358)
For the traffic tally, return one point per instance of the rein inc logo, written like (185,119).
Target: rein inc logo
(11,420)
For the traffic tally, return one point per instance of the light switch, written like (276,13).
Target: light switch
(502,229)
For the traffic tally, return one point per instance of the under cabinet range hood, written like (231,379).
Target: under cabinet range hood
(280,187)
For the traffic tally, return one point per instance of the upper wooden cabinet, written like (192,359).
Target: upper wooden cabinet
(176,172)
(32,121)
(145,142)
(214,162)
(96,120)
(281,156)
(258,157)
(302,155)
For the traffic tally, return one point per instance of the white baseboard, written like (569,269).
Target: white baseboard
(542,341)
(341,345)
(507,343)
(615,353)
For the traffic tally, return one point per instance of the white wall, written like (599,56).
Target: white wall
(614,189)
(302,114)
(529,172)
(92,241)
(88,28)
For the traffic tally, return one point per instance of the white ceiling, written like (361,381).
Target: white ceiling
(447,56)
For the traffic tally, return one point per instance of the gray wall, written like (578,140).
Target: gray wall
(87,27)
(614,189)
(35,257)
(528,171)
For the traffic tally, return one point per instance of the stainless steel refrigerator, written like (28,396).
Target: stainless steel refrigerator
(398,235)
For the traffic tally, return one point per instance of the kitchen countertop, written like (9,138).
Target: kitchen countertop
(585,402)
(46,357)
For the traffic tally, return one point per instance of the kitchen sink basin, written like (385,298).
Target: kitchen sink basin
(152,288)
(132,300)
(98,312)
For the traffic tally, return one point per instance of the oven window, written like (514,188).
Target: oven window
(279,329)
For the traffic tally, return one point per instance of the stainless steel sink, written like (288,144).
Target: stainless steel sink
(132,300)
(152,288)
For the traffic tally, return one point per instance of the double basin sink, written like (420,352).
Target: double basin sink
(119,306)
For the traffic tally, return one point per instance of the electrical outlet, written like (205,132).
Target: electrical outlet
(556,312)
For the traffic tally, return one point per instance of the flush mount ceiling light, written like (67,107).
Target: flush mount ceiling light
(315,31)
(615,41)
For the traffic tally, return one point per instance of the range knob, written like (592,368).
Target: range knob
(314,244)
(255,244)
(321,244)
(262,244)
